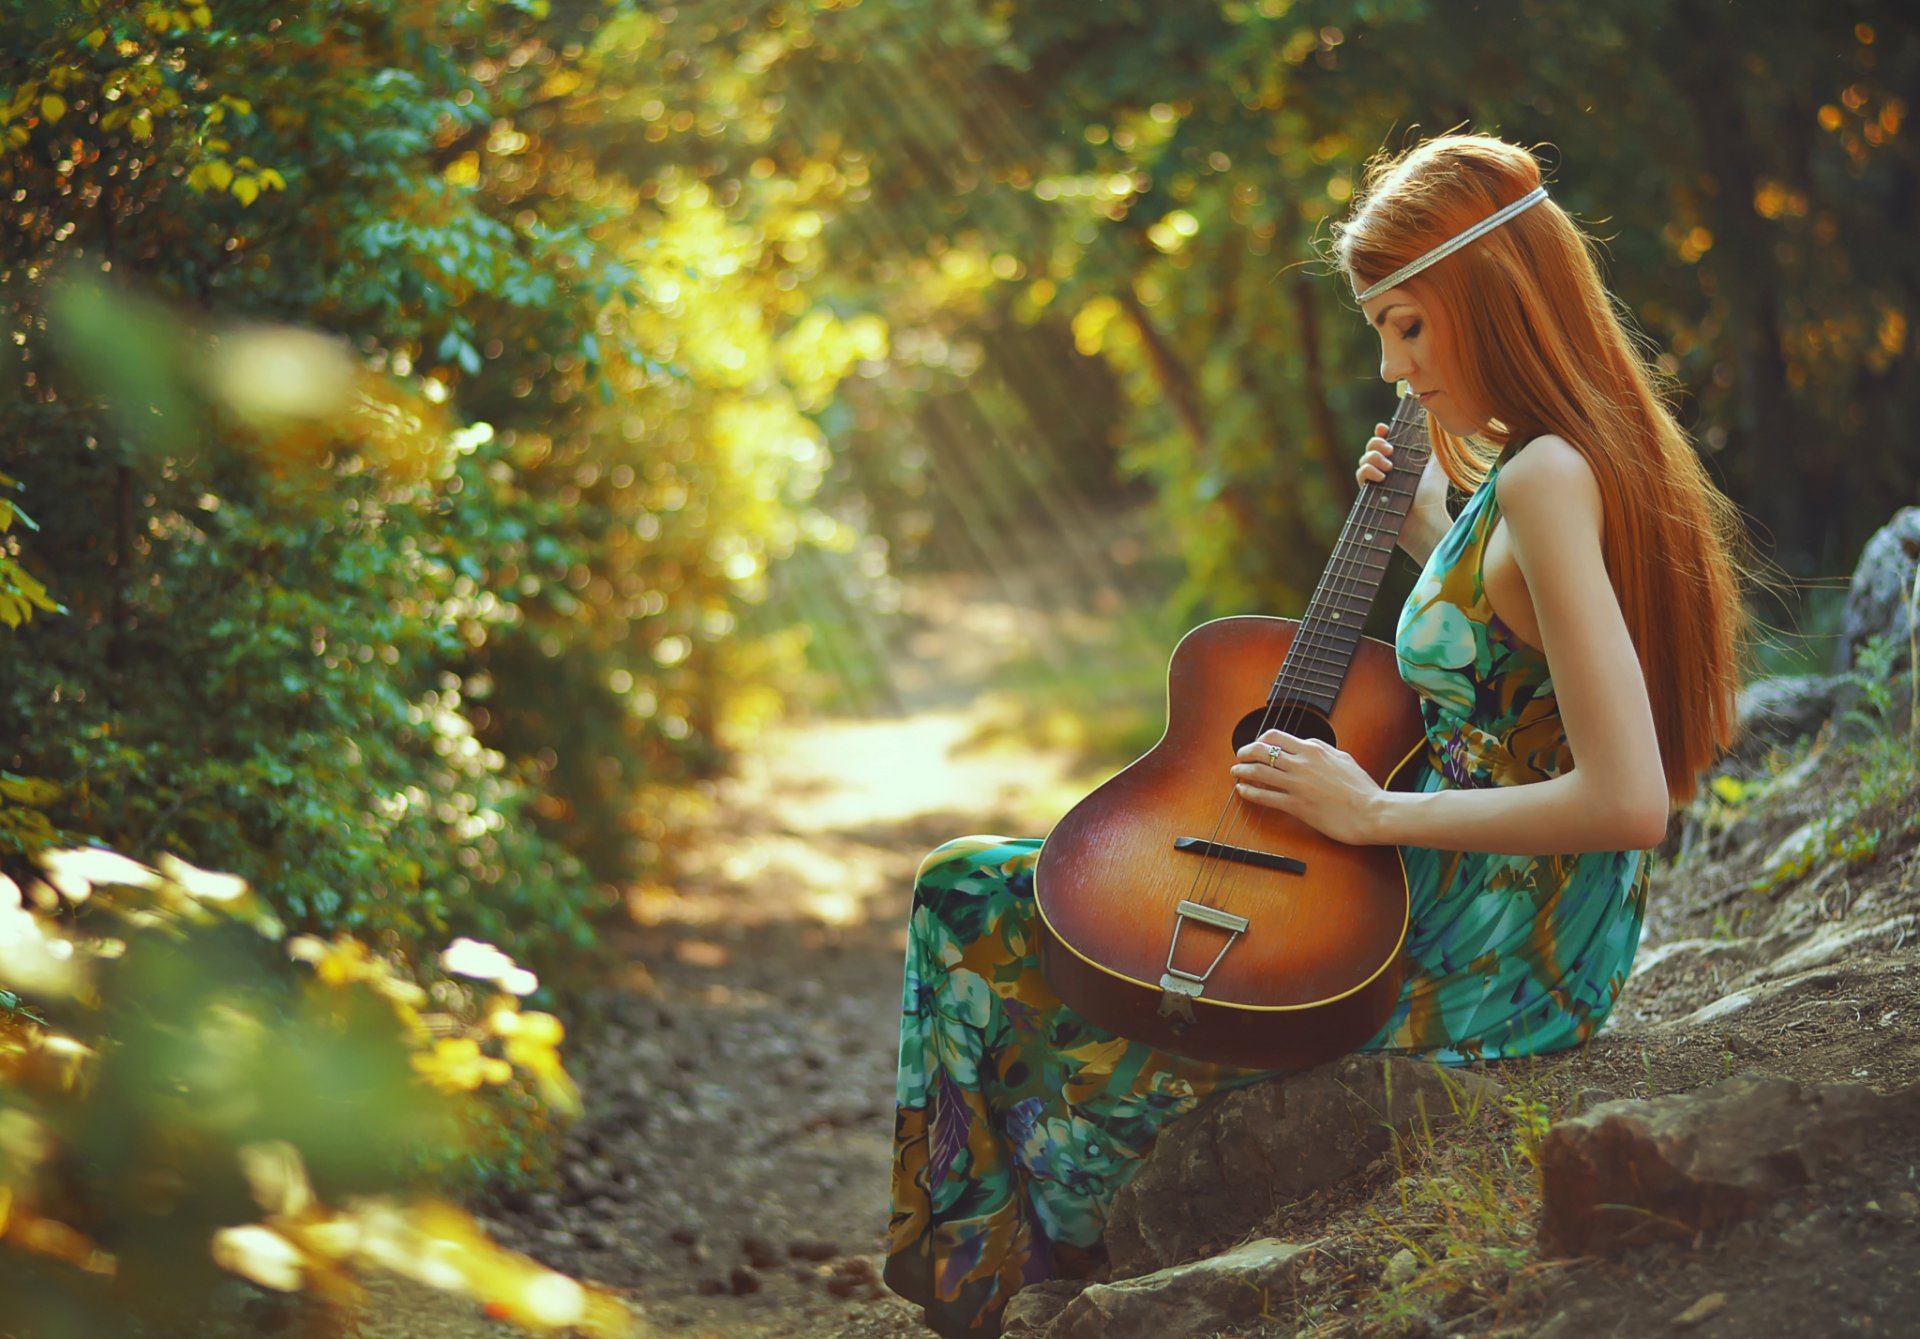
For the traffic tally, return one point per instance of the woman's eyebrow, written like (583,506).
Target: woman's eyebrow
(1381,315)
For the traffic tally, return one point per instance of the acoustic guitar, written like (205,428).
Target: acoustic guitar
(1177,913)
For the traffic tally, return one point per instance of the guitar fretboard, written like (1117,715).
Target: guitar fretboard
(1330,629)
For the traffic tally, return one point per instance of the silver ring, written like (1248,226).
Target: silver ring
(1273,755)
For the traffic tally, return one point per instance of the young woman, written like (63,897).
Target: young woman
(1585,604)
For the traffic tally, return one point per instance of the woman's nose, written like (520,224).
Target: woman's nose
(1393,367)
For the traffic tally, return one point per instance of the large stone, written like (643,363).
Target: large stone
(1220,1173)
(1632,1172)
(1192,1299)
(1877,598)
(1031,1310)
(1781,709)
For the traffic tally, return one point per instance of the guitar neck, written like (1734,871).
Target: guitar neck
(1316,665)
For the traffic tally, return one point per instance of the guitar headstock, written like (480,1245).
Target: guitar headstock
(1408,426)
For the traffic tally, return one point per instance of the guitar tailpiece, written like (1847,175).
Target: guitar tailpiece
(1178,1007)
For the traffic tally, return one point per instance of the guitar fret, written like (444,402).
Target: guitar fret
(1335,675)
(1292,673)
(1331,627)
(1351,601)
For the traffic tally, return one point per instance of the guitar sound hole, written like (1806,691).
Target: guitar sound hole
(1292,717)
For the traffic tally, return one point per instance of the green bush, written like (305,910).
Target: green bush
(179,1103)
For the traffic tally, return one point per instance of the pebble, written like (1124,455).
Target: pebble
(759,1252)
(807,1248)
(1700,1310)
(1589,1098)
(1402,1267)
(743,1281)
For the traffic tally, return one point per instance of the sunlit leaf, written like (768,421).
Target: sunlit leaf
(259,1254)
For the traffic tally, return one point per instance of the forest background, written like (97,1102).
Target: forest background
(439,436)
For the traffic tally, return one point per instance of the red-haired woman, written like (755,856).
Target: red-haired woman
(1585,603)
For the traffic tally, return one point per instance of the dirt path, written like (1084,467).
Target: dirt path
(730,1173)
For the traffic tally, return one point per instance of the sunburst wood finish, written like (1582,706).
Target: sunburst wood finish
(1317,969)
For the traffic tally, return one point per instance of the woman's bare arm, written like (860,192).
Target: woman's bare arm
(1615,796)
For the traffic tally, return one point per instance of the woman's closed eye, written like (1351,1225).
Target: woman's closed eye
(1411,331)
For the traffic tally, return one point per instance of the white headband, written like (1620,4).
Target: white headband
(1453,244)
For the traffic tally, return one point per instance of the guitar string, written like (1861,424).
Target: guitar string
(1285,706)
(1371,509)
(1281,702)
(1367,514)
(1305,651)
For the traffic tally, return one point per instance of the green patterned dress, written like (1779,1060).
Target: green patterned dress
(1016,1119)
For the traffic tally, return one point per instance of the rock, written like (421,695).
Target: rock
(1832,942)
(1685,953)
(1192,1299)
(1795,847)
(1699,1311)
(1216,1174)
(1637,1171)
(1589,1098)
(1881,586)
(1401,1268)
(1031,1310)
(759,1252)
(743,1281)
(806,1248)
(1724,1007)
(1783,708)
(851,1275)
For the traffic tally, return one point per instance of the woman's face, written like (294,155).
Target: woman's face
(1410,352)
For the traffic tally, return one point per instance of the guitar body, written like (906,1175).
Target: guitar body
(1288,947)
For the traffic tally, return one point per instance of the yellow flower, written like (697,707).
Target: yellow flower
(454,1065)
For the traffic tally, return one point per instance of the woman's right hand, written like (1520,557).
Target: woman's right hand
(1428,518)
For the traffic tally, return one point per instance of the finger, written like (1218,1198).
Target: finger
(1264,774)
(1266,799)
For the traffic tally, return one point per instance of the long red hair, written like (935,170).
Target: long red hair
(1525,328)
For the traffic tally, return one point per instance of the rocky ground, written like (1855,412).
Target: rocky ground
(730,1173)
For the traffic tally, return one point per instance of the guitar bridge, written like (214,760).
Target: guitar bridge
(1179,987)
(1286,864)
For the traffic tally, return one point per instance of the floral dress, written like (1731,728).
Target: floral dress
(1016,1120)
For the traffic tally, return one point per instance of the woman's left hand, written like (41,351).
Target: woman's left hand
(1312,781)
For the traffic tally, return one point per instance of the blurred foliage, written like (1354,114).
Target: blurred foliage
(429,625)
(1093,228)
(489,581)
(175,1102)
(438,432)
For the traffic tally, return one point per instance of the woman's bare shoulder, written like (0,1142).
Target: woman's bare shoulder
(1549,476)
